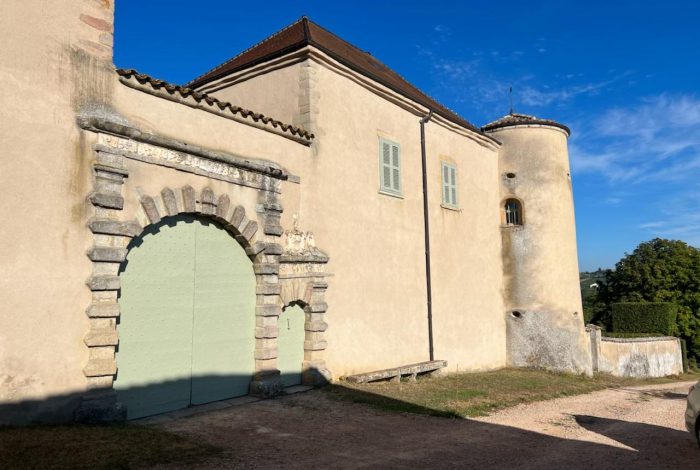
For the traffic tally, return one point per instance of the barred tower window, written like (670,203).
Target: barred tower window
(513,212)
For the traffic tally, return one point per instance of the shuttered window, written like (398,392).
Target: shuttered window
(390,167)
(449,185)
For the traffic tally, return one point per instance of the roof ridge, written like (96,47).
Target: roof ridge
(335,36)
(277,33)
(373,57)
(216,103)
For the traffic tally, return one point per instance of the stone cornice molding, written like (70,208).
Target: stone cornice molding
(179,150)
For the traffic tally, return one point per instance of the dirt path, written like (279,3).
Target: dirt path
(640,427)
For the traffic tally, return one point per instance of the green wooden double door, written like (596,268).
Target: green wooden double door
(187,325)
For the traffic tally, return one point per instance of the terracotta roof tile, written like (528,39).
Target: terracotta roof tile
(185,92)
(305,32)
(515,119)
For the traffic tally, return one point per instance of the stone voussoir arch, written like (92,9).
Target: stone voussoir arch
(112,236)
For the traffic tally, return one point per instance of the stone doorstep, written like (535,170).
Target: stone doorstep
(396,372)
(214,406)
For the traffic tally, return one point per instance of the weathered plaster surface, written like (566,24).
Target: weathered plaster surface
(636,357)
(52,62)
(641,358)
(540,263)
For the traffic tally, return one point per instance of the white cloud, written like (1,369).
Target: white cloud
(655,141)
(653,149)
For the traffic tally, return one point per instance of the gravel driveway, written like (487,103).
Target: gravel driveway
(617,428)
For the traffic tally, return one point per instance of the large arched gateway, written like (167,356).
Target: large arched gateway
(187,327)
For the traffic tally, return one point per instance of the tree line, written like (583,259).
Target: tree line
(656,271)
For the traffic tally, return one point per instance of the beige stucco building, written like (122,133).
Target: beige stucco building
(330,176)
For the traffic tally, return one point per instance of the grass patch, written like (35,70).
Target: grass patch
(478,394)
(106,446)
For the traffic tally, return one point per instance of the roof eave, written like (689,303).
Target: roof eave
(488,128)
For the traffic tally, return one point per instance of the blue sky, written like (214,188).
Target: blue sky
(623,75)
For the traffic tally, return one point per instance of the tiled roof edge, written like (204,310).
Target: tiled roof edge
(161,88)
(513,120)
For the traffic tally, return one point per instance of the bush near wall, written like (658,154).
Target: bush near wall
(612,334)
(658,318)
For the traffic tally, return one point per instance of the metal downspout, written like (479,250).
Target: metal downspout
(426,225)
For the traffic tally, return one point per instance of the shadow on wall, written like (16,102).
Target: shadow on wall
(337,433)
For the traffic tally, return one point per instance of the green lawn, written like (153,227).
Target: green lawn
(104,447)
(478,394)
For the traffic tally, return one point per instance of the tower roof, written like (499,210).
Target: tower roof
(516,119)
(305,32)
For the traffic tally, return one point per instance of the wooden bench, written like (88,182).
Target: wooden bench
(395,373)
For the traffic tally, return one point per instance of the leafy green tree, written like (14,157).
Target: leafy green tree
(658,271)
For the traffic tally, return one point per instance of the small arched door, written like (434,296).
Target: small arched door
(290,344)
(186,330)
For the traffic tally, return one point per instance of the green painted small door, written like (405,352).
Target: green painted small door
(186,331)
(290,344)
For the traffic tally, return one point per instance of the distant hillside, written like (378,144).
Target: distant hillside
(588,279)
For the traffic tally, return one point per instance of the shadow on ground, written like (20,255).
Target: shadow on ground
(316,429)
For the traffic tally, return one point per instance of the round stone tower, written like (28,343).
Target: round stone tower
(544,316)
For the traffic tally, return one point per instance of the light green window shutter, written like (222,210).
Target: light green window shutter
(390,166)
(449,185)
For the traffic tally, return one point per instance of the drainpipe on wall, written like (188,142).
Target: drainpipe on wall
(426,225)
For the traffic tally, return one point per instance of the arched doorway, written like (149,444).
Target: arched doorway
(290,344)
(186,331)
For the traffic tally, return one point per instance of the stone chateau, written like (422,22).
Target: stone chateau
(297,214)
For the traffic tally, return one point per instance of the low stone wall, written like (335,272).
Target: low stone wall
(635,357)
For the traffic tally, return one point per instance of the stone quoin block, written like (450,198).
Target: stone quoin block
(268,289)
(108,201)
(104,283)
(103,310)
(102,337)
(274,249)
(315,345)
(315,326)
(107,254)
(266,268)
(266,332)
(115,227)
(268,310)
(318,307)
(99,367)
(265,353)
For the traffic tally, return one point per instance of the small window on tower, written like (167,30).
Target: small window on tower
(513,212)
